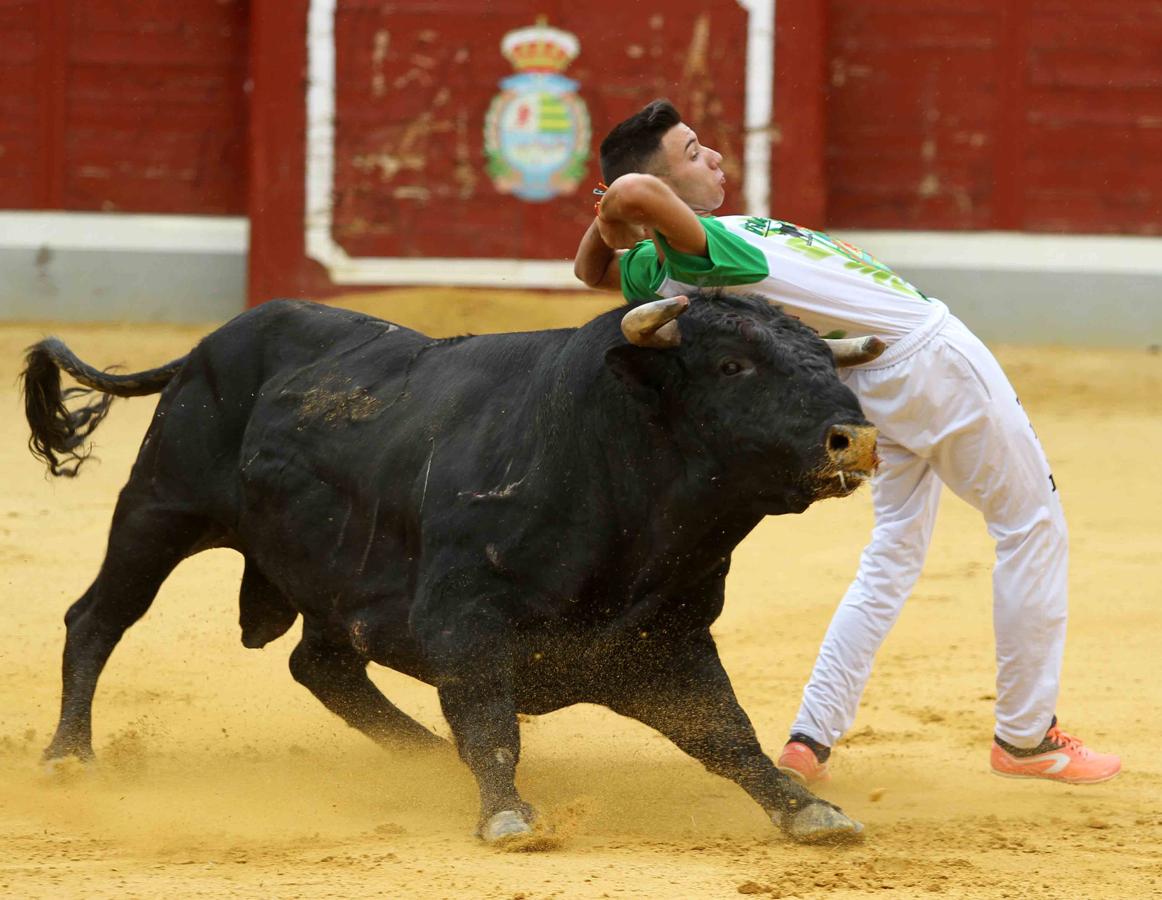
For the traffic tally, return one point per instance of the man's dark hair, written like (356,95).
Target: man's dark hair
(631,144)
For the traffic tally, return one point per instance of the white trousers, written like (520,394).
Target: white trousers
(947,414)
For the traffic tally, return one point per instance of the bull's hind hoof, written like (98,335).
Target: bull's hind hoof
(63,769)
(820,823)
(504,827)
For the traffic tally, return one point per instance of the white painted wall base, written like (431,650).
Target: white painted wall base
(1015,288)
(1097,290)
(108,267)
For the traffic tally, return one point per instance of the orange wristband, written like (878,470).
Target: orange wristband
(599,191)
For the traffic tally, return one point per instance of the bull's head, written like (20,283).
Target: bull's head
(741,382)
(652,325)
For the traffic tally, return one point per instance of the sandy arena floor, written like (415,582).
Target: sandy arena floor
(219,776)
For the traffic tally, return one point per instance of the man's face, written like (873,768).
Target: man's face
(690,169)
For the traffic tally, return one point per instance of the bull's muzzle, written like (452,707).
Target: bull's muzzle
(851,457)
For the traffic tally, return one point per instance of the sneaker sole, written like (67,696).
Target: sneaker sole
(1013,775)
(794,774)
(798,777)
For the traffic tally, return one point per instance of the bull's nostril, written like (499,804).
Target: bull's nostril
(837,443)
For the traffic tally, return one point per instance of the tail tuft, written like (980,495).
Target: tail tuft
(58,433)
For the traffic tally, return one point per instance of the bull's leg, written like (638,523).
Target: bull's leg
(329,668)
(146,541)
(468,643)
(684,693)
(479,704)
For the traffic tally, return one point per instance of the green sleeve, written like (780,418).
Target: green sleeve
(729,259)
(641,273)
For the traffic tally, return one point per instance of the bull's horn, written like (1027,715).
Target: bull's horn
(652,324)
(855,351)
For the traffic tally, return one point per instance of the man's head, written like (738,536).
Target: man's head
(657,142)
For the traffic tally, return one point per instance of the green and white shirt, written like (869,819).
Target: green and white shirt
(832,286)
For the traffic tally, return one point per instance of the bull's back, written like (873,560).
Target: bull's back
(194,444)
(372,407)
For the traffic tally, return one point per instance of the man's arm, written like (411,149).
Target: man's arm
(596,262)
(647,201)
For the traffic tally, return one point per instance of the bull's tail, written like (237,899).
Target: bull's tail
(58,433)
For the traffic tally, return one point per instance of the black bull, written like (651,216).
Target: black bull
(525,521)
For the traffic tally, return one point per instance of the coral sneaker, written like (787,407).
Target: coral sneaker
(1060,757)
(800,762)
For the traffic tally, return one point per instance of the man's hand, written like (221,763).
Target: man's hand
(645,201)
(632,209)
(620,234)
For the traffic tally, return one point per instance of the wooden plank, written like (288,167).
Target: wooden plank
(1012,62)
(799,189)
(156,107)
(1085,212)
(278,60)
(52,39)
(177,49)
(19,15)
(20,108)
(19,169)
(912,106)
(1093,151)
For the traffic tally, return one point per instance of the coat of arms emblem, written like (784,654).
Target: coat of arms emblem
(536,131)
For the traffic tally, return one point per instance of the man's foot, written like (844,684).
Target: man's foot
(799,761)
(1060,757)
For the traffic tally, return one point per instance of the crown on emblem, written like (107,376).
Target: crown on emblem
(540,48)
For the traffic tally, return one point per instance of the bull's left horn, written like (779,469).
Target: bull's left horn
(652,324)
(855,351)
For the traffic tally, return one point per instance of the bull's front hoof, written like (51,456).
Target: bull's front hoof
(507,825)
(504,826)
(820,823)
(513,830)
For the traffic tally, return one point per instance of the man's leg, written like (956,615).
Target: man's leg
(905,493)
(994,461)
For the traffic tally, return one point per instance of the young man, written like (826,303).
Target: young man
(946,414)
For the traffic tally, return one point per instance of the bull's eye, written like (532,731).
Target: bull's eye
(730,367)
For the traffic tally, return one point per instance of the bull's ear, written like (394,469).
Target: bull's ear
(641,370)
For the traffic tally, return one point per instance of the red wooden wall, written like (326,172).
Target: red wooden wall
(994,114)
(123,105)
(414,84)
(914,114)
(410,178)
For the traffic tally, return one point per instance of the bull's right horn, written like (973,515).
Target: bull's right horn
(855,351)
(652,324)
